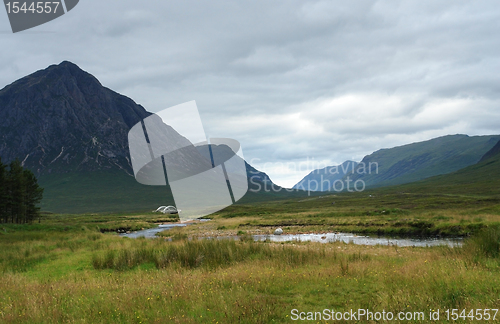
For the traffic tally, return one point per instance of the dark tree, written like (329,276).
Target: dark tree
(33,196)
(16,192)
(20,194)
(4,213)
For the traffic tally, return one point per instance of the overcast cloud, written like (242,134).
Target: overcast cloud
(293,81)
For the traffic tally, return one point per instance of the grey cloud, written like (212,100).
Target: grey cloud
(261,61)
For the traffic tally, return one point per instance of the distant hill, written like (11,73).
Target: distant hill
(73,133)
(417,161)
(482,178)
(323,179)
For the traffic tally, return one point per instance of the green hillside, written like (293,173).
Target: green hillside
(98,192)
(115,191)
(418,161)
(495,151)
(480,179)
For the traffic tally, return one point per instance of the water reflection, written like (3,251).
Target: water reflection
(321,238)
(358,239)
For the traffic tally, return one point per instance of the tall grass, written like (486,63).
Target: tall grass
(207,253)
(101,278)
(484,244)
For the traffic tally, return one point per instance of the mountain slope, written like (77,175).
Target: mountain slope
(73,133)
(482,178)
(495,151)
(417,161)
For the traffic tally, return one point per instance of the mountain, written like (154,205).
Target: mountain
(480,179)
(324,179)
(412,162)
(62,119)
(73,133)
(417,161)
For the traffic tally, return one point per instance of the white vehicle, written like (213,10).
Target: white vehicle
(166,210)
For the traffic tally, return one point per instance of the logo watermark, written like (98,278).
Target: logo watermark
(347,177)
(28,14)
(431,315)
(205,175)
(358,315)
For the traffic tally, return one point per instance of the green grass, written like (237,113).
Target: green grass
(377,212)
(100,192)
(90,277)
(485,244)
(207,254)
(106,192)
(105,222)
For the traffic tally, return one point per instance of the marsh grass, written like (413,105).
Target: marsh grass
(483,248)
(65,270)
(486,242)
(174,234)
(384,213)
(205,253)
(89,277)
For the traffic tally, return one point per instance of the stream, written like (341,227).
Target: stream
(321,238)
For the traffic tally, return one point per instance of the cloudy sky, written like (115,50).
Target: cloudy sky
(301,84)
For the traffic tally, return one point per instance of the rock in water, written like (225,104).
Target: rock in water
(278,231)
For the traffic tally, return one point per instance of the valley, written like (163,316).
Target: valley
(74,264)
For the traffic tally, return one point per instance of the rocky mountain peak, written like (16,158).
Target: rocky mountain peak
(62,119)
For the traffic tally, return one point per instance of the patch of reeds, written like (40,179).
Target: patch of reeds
(207,253)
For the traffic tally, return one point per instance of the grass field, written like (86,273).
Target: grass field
(78,275)
(370,213)
(74,269)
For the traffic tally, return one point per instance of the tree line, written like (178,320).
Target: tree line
(20,194)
